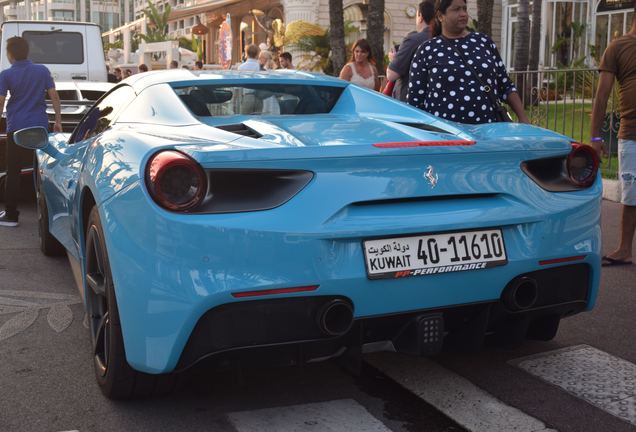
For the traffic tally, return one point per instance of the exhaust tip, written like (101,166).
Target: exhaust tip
(335,318)
(522,294)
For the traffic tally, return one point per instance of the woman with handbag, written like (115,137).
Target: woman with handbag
(458,75)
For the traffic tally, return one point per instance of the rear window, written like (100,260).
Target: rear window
(65,95)
(92,95)
(55,47)
(258,99)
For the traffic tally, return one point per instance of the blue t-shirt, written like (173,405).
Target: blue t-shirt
(27,84)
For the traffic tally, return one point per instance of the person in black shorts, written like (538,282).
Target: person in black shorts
(27,84)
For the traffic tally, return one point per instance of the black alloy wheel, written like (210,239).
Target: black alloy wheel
(115,377)
(96,280)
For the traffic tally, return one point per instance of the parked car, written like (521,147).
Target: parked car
(71,50)
(76,99)
(286,215)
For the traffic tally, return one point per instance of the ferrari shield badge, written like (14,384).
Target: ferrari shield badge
(431,176)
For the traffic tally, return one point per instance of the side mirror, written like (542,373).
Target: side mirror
(33,138)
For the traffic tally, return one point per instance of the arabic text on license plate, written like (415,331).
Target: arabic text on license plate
(434,253)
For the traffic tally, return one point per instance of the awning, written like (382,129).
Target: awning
(353,14)
(201,8)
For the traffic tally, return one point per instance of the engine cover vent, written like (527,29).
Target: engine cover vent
(240,129)
(425,127)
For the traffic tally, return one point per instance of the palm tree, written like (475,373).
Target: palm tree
(484,16)
(535,46)
(535,35)
(157,29)
(522,45)
(522,37)
(375,31)
(337,35)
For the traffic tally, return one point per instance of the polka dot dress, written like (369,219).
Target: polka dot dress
(441,83)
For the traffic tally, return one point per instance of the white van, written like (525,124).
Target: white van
(71,50)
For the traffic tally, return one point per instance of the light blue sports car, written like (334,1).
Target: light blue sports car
(297,217)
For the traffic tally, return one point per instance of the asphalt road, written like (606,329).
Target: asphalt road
(47,384)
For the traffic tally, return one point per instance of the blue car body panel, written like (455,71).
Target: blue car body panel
(170,268)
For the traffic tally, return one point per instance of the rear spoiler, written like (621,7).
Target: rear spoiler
(69,106)
(72,113)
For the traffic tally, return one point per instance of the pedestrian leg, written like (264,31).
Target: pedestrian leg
(12,181)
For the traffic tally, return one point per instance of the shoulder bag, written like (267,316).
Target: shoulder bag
(500,110)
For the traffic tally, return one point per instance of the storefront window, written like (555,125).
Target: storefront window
(512,34)
(613,19)
(602,26)
(356,16)
(507,47)
(579,27)
(616,26)
(566,33)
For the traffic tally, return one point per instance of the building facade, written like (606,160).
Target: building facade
(251,20)
(573,32)
(255,21)
(108,14)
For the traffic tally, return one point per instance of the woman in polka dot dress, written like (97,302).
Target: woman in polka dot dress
(443,77)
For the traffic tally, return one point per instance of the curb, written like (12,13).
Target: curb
(612,190)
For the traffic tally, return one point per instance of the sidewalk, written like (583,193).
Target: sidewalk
(611,190)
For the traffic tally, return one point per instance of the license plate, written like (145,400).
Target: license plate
(434,253)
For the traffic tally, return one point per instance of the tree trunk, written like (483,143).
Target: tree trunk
(375,32)
(337,36)
(484,16)
(535,46)
(522,46)
(535,35)
(522,37)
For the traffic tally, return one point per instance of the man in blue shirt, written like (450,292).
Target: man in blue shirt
(27,84)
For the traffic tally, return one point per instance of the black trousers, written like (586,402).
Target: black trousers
(16,157)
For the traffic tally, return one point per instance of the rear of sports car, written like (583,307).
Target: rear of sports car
(312,252)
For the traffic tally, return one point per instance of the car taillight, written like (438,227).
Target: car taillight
(582,165)
(176,181)
(570,172)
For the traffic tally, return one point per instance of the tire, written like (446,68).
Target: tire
(48,244)
(116,379)
(2,181)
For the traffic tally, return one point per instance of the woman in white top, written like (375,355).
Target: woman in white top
(361,69)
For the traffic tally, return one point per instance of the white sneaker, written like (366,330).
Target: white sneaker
(5,221)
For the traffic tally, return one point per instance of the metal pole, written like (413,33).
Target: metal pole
(573,105)
(583,83)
